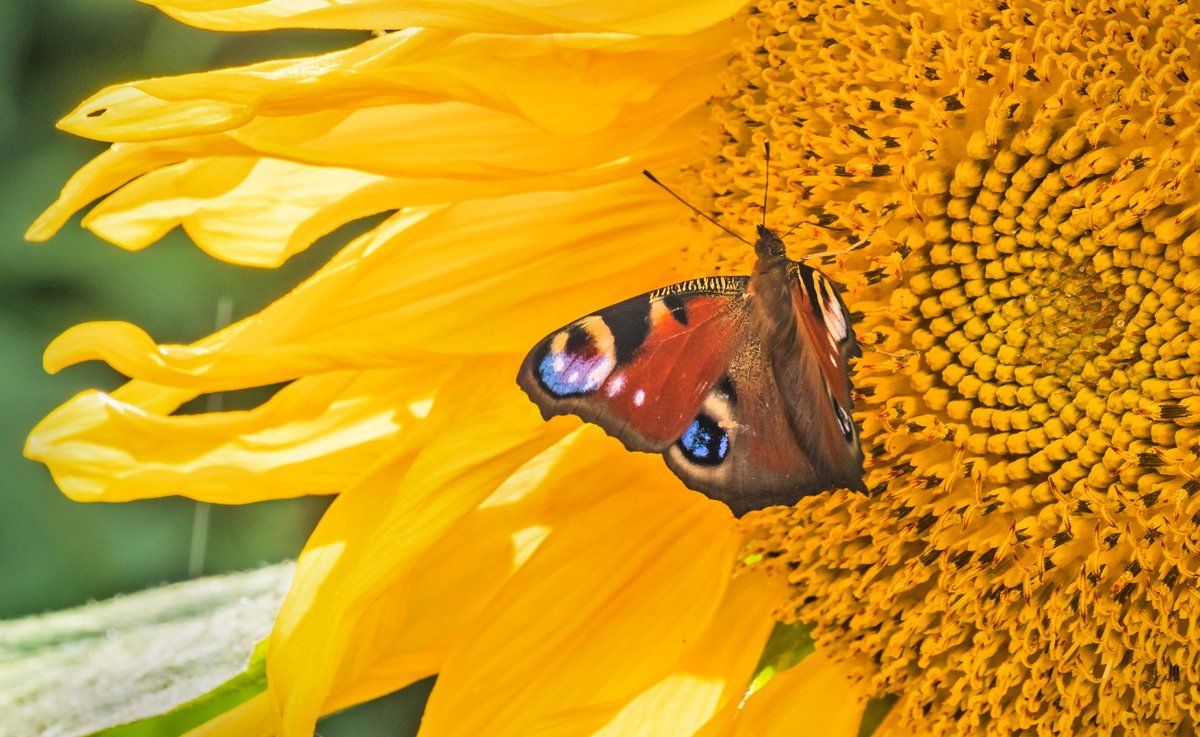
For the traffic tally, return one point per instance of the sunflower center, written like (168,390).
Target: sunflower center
(1025,176)
(1033,307)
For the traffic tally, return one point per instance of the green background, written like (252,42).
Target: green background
(55,553)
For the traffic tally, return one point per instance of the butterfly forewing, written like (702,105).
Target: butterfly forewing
(817,373)
(830,325)
(641,368)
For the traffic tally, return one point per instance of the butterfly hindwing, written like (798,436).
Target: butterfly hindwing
(763,462)
(641,368)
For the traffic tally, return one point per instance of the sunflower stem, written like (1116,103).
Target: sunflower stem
(201,520)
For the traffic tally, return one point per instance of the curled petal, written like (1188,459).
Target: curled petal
(581,85)
(656,17)
(120,164)
(463,140)
(389,293)
(314,436)
(253,210)
(249,211)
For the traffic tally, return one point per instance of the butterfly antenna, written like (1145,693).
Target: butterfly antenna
(695,209)
(791,230)
(890,354)
(852,247)
(767,183)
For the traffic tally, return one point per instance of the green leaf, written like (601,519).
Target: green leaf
(874,714)
(151,664)
(787,645)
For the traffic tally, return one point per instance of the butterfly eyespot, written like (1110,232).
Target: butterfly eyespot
(704,442)
(577,360)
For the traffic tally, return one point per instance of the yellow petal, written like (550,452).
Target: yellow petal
(713,673)
(665,17)
(892,724)
(814,697)
(251,718)
(568,105)
(255,212)
(426,611)
(375,532)
(314,436)
(463,140)
(248,220)
(120,164)
(564,85)
(423,281)
(643,572)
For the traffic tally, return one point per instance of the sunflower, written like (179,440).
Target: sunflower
(1023,174)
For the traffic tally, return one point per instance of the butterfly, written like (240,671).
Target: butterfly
(742,383)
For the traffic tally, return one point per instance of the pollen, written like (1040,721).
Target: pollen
(1023,178)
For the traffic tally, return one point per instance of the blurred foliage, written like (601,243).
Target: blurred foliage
(55,553)
(55,53)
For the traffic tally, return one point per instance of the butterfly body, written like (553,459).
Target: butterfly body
(741,383)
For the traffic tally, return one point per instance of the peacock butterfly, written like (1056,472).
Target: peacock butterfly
(742,383)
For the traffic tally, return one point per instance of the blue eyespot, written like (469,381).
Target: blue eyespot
(565,373)
(704,442)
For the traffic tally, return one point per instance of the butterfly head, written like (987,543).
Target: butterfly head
(769,246)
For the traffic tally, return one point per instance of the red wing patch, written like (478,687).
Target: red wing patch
(660,390)
(641,368)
